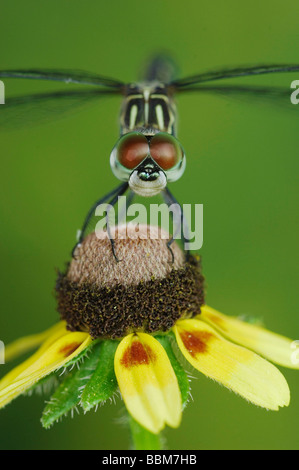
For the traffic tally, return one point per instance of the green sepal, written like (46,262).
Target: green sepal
(166,341)
(68,393)
(103,383)
(45,385)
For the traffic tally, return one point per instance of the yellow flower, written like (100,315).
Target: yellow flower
(142,348)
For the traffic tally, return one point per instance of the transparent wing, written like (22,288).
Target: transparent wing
(192,81)
(38,108)
(277,95)
(248,91)
(66,76)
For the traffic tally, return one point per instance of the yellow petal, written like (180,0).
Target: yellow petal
(147,382)
(22,345)
(274,347)
(54,333)
(51,356)
(237,368)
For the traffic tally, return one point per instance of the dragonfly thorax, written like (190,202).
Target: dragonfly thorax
(147,106)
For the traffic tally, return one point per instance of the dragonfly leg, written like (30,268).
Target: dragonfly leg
(111,204)
(115,193)
(170,249)
(183,225)
(112,242)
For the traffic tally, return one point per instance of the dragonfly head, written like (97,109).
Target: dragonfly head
(148,162)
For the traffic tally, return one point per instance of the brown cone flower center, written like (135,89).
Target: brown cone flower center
(147,290)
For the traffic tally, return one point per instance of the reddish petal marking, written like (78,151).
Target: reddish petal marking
(137,354)
(69,349)
(196,342)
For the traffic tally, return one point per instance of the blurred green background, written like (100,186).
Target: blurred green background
(242,165)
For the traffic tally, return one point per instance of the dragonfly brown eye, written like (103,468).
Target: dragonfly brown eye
(165,150)
(131,150)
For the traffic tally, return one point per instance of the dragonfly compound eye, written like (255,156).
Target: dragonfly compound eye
(166,151)
(127,154)
(131,150)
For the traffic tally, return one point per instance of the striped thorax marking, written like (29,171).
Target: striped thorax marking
(148,106)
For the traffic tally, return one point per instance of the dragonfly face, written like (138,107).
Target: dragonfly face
(147,160)
(147,155)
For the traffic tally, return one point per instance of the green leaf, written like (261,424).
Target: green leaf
(103,382)
(181,375)
(68,393)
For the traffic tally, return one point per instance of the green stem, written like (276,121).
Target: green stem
(142,438)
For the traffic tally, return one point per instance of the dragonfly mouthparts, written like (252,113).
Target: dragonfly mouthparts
(148,170)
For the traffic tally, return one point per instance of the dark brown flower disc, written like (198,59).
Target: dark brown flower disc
(144,291)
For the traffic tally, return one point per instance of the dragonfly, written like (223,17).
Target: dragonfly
(147,155)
